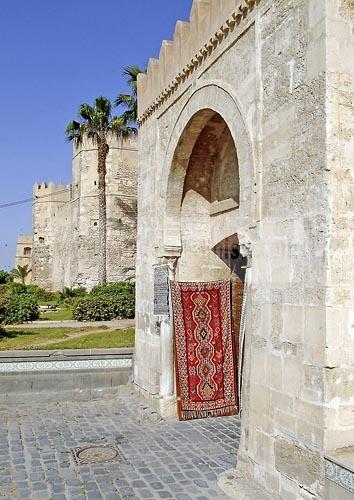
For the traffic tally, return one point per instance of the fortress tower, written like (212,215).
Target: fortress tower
(121,186)
(65,220)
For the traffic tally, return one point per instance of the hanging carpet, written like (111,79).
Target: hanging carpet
(204,350)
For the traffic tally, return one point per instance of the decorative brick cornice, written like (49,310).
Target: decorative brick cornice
(199,59)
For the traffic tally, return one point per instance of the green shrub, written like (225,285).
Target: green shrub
(5,277)
(68,295)
(93,309)
(18,308)
(107,302)
(2,317)
(114,290)
(40,294)
(2,312)
(11,289)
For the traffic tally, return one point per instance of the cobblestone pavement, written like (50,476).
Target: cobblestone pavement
(179,460)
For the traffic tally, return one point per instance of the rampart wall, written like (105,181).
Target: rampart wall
(65,220)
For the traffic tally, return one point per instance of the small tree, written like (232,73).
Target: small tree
(21,273)
(97,124)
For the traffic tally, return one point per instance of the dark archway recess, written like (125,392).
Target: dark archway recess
(211,179)
(205,190)
(205,165)
(228,250)
(213,166)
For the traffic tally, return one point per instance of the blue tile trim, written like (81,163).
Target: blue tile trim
(339,475)
(89,364)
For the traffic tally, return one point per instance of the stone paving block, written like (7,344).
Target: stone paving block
(146,494)
(94,495)
(38,486)
(165,494)
(111,496)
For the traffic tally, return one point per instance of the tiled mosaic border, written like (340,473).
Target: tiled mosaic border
(89,364)
(339,475)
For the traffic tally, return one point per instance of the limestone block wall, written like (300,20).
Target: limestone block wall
(65,220)
(85,198)
(339,359)
(122,211)
(48,199)
(121,182)
(279,73)
(64,250)
(24,253)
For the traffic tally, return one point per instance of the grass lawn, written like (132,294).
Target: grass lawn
(101,340)
(66,338)
(60,315)
(48,302)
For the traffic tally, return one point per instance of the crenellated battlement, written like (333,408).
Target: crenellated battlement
(211,21)
(47,188)
(114,142)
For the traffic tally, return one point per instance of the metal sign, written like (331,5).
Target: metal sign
(161,291)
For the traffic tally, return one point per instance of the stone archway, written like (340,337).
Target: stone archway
(211,111)
(211,188)
(207,102)
(211,191)
(208,202)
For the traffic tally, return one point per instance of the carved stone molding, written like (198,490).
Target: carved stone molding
(198,60)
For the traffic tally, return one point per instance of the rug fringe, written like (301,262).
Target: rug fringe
(218,412)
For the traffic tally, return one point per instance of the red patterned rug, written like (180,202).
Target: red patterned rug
(204,350)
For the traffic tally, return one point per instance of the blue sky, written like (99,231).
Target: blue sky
(54,55)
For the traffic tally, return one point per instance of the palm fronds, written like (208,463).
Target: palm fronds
(95,119)
(129,102)
(21,273)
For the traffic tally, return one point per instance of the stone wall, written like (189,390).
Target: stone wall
(270,74)
(339,355)
(65,220)
(49,202)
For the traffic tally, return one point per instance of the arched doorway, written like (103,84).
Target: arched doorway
(211,116)
(211,188)
(206,204)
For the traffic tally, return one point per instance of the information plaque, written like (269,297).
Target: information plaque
(161,291)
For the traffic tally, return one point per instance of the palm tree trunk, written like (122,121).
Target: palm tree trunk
(102,152)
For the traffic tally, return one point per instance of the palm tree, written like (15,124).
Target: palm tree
(97,124)
(130,101)
(21,273)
